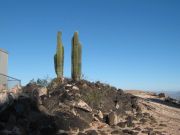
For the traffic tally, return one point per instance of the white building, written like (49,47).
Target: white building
(3,68)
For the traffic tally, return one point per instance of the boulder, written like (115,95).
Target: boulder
(40,91)
(66,121)
(83,105)
(112,118)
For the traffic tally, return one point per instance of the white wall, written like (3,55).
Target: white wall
(3,67)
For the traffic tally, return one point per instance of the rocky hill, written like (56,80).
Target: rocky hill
(82,108)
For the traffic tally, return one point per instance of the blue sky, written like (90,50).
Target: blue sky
(129,44)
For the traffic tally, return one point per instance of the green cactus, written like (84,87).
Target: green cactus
(76,58)
(59,57)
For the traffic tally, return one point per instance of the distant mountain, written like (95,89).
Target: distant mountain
(173,94)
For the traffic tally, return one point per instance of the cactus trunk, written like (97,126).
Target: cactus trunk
(76,58)
(59,57)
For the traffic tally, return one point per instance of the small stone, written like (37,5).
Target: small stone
(117,106)
(100,114)
(75,88)
(96,119)
(67,90)
(68,85)
(122,124)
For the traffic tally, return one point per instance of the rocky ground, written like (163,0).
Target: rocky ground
(165,110)
(86,108)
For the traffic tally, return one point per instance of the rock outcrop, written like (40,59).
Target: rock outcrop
(71,108)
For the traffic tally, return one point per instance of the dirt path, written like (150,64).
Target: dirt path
(167,117)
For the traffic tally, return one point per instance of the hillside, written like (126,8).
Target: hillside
(85,108)
(164,109)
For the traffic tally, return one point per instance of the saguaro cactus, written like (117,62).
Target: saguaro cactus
(76,58)
(59,57)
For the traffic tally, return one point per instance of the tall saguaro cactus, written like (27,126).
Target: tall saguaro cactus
(76,58)
(59,57)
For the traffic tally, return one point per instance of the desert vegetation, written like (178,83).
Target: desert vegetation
(75,57)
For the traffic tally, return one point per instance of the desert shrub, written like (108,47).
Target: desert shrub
(41,82)
(93,98)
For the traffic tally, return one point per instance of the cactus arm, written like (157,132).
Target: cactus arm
(55,63)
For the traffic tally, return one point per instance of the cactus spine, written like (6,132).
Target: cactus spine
(76,58)
(59,57)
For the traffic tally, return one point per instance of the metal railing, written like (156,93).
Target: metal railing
(8,83)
